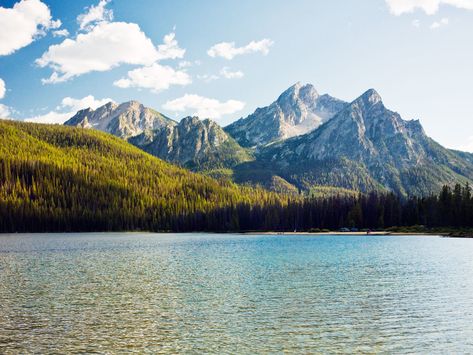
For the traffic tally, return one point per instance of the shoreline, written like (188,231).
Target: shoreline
(330,233)
(342,233)
(376,233)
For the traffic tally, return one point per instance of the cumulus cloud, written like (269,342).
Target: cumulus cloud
(203,106)
(86,102)
(61,33)
(4,111)
(437,24)
(430,7)
(3,89)
(170,48)
(228,74)
(22,24)
(155,77)
(106,46)
(94,15)
(228,50)
(68,108)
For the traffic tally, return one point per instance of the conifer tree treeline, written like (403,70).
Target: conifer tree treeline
(55,179)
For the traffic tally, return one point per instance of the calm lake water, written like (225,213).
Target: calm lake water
(200,293)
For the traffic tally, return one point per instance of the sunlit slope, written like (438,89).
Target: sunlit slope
(56,178)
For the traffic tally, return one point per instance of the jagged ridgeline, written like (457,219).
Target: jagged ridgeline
(366,147)
(300,142)
(57,178)
(199,145)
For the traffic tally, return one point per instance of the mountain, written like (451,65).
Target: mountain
(298,110)
(125,120)
(65,179)
(58,178)
(193,143)
(357,146)
(363,147)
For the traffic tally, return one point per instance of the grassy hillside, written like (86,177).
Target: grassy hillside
(56,178)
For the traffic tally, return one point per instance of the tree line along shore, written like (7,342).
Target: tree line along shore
(63,179)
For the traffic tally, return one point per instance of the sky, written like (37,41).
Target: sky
(223,59)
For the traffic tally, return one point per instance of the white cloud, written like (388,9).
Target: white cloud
(170,48)
(61,33)
(4,111)
(203,107)
(106,46)
(3,89)
(225,72)
(207,77)
(53,117)
(416,23)
(155,77)
(430,7)
(184,64)
(228,74)
(228,50)
(80,104)
(158,77)
(22,24)
(437,24)
(94,15)
(68,108)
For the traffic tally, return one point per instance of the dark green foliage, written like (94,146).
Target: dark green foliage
(55,178)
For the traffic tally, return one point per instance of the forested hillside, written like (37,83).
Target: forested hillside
(56,178)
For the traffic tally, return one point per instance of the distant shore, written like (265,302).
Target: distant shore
(375,233)
(339,233)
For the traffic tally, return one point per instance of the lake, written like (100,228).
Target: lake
(211,293)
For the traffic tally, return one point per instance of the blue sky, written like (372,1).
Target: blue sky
(417,54)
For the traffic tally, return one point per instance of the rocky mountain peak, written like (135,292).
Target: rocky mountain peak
(124,120)
(365,146)
(306,93)
(189,121)
(298,110)
(370,97)
(131,105)
(194,143)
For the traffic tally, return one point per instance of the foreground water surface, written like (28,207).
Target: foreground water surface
(201,293)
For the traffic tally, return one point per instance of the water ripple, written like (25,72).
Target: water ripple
(162,294)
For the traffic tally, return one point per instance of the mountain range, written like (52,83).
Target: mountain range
(192,143)
(300,142)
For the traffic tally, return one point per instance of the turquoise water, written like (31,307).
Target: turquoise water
(199,293)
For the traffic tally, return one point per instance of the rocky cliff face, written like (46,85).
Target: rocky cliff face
(365,147)
(125,120)
(194,143)
(298,110)
(360,145)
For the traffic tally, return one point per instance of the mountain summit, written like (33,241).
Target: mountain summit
(125,120)
(301,141)
(193,143)
(298,110)
(367,147)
